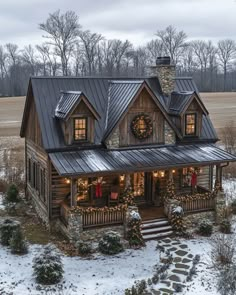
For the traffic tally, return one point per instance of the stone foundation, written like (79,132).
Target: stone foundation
(114,140)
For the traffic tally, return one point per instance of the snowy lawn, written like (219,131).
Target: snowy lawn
(2,207)
(100,275)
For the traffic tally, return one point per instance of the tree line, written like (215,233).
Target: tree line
(69,50)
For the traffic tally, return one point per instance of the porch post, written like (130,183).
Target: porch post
(73,201)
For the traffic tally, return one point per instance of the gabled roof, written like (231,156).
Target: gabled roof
(180,101)
(46,92)
(120,95)
(69,100)
(98,161)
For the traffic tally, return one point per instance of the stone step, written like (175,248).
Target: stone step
(157,236)
(155,224)
(154,230)
(154,220)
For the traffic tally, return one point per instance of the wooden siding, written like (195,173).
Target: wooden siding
(33,131)
(59,190)
(38,157)
(143,104)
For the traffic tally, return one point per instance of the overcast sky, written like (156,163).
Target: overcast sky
(136,20)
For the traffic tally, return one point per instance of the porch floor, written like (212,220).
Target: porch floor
(151,212)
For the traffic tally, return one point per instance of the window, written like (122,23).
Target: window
(29,171)
(190,124)
(138,184)
(42,184)
(141,126)
(82,189)
(80,129)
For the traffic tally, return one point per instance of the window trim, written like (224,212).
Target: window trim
(86,129)
(195,124)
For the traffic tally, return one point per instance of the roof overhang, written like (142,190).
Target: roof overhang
(103,161)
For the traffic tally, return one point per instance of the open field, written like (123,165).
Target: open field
(11,111)
(221,106)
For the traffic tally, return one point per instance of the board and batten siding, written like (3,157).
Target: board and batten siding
(35,155)
(143,104)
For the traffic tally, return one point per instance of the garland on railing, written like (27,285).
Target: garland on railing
(128,201)
(170,194)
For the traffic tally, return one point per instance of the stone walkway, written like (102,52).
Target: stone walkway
(179,269)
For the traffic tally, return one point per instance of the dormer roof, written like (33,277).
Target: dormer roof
(68,102)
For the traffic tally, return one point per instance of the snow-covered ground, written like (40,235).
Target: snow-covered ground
(1,202)
(98,276)
(229,186)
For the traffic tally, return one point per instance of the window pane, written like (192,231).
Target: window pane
(80,129)
(190,124)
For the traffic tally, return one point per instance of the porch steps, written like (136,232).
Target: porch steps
(156,229)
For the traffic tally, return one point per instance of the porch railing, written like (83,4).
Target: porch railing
(198,205)
(64,213)
(96,218)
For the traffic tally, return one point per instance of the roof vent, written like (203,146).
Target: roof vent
(163,60)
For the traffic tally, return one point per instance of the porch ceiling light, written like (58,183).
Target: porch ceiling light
(155,173)
(67,180)
(122,177)
(173,171)
(162,173)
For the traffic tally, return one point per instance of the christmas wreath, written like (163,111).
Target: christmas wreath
(146,123)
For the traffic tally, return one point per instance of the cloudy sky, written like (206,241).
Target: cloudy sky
(136,20)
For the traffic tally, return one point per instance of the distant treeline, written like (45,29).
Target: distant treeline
(69,50)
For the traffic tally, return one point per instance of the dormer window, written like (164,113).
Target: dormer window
(80,129)
(190,124)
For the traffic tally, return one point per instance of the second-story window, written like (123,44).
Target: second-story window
(80,129)
(190,124)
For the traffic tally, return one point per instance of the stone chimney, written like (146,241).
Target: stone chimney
(165,71)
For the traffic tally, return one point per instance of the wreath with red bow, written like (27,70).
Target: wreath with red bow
(144,132)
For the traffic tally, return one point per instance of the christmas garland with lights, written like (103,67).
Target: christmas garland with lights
(135,124)
(170,194)
(128,201)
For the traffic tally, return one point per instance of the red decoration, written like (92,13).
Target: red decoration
(98,190)
(194,179)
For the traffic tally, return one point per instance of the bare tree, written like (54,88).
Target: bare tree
(228,137)
(174,42)
(155,48)
(226,52)
(3,60)
(29,57)
(89,48)
(62,30)
(119,49)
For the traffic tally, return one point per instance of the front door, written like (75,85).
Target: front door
(142,185)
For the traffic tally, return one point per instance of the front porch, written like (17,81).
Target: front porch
(108,205)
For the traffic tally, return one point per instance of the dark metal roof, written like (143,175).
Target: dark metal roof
(179,100)
(109,105)
(115,161)
(185,84)
(120,95)
(66,103)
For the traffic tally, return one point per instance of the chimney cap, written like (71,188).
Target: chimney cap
(163,60)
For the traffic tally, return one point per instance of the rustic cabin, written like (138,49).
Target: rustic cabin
(90,142)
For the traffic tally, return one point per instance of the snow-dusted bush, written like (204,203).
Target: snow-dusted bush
(134,234)
(84,248)
(205,228)
(7,227)
(110,243)
(138,288)
(17,242)
(223,249)
(226,284)
(176,219)
(47,266)
(225,226)
(233,206)
(12,195)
